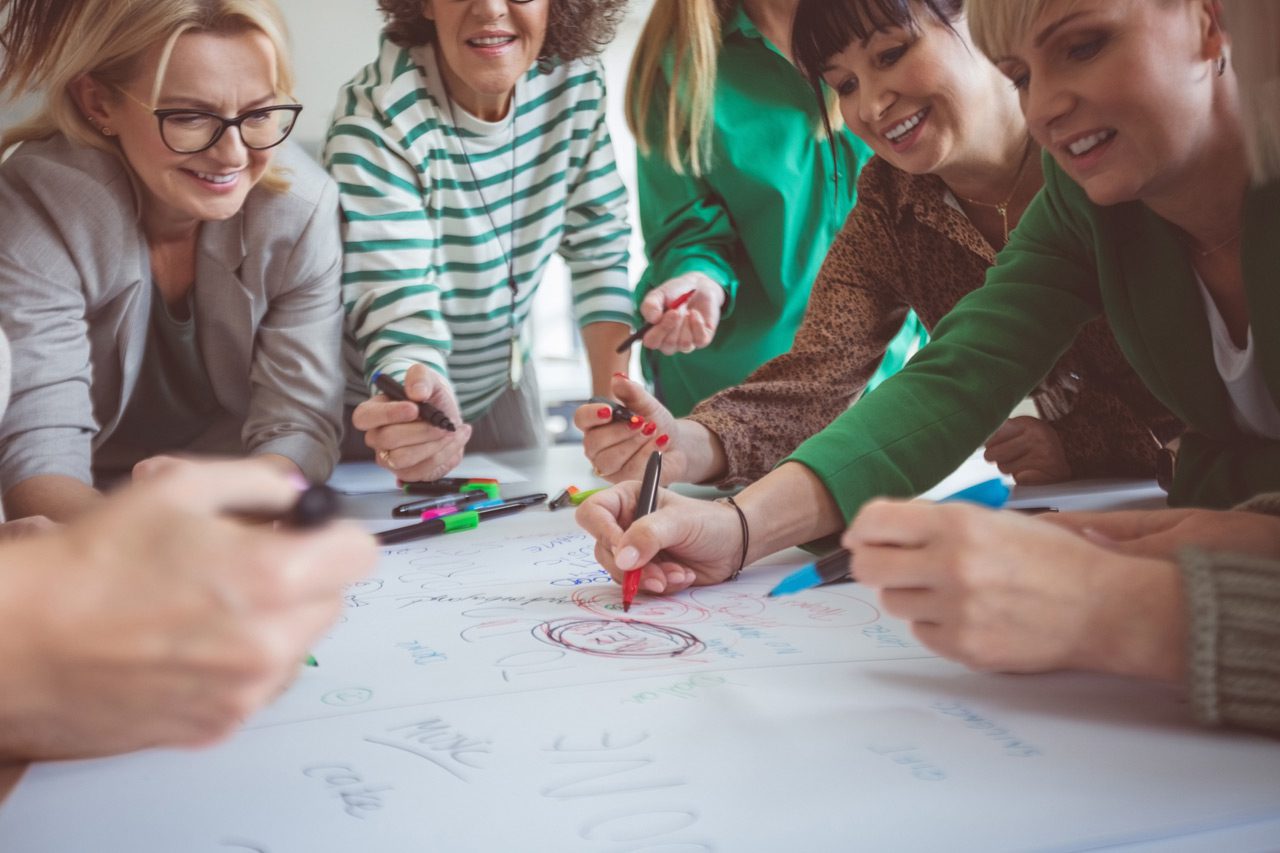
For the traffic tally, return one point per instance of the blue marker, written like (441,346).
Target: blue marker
(835,566)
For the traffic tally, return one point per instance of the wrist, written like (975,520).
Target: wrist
(28,642)
(703,453)
(1149,642)
(788,506)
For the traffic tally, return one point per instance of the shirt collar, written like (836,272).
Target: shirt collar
(740,22)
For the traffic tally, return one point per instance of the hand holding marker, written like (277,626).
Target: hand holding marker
(646,503)
(426,411)
(836,565)
(646,327)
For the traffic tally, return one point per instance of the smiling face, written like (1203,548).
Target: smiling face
(924,99)
(1120,92)
(224,74)
(485,46)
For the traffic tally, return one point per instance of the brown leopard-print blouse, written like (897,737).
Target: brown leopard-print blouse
(908,246)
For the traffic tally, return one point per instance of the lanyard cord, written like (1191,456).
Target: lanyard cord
(508,257)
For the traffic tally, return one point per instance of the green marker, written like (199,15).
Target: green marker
(464,520)
(578,498)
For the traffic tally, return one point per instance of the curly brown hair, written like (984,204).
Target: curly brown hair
(576,29)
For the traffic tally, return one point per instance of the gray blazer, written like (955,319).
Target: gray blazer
(75,297)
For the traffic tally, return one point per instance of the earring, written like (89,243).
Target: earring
(1222,64)
(106,131)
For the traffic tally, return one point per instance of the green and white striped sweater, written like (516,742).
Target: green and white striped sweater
(425,276)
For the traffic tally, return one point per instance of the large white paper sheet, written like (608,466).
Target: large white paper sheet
(485,692)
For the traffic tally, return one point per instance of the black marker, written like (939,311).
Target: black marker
(458,521)
(426,411)
(413,509)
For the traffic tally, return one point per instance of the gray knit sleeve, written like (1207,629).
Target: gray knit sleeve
(1233,605)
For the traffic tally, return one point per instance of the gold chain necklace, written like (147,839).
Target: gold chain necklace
(1003,207)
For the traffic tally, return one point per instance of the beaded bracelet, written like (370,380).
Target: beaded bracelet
(746,535)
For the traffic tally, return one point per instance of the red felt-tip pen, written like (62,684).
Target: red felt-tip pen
(645,327)
(645,504)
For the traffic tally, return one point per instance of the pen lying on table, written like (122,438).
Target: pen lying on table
(464,520)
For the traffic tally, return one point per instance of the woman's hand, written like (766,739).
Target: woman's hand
(1162,533)
(619,451)
(1029,450)
(173,622)
(1001,591)
(410,448)
(691,326)
(684,543)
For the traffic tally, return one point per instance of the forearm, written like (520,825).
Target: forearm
(57,497)
(601,341)
(788,507)
(28,710)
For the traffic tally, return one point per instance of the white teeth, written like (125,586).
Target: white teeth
(216,179)
(491,41)
(1088,143)
(898,130)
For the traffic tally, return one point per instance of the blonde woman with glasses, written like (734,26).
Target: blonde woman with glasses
(168,270)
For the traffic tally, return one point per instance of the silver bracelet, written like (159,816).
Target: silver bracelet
(746,535)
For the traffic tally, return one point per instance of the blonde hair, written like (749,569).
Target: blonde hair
(50,44)
(1254,27)
(687,34)
(996,25)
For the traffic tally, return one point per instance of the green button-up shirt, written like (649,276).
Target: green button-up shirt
(759,220)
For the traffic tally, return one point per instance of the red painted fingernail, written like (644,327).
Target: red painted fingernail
(622,376)
(650,428)
(604,413)
(635,422)
(663,439)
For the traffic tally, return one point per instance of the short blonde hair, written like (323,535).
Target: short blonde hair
(50,44)
(1254,26)
(997,25)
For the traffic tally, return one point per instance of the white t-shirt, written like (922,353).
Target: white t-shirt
(1252,406)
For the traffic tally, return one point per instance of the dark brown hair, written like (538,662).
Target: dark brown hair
(576,29)
(824,28)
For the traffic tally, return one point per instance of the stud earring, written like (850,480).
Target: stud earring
(106,131)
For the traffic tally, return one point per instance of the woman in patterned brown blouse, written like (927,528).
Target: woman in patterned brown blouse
(955,169)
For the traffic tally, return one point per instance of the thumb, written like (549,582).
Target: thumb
(420,382)
(654,305)
(640,543)
(634,397)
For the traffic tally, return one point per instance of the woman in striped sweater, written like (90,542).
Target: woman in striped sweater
(472,149)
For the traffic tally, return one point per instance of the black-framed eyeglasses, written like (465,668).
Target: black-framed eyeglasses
(187,131)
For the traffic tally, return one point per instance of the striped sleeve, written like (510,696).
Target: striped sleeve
(390,288)
(597,231)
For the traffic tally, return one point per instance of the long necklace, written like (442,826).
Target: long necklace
(516,370)
(1002,207)
(1204,253)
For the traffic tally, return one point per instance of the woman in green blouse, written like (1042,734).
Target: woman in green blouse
(740,194)
(1148,215)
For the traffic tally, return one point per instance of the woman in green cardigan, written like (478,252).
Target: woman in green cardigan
(740,193)
(1147,215)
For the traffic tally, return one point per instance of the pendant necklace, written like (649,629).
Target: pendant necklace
(516,368)
(1002,207)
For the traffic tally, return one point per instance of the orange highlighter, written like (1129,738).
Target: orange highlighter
(645,504)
